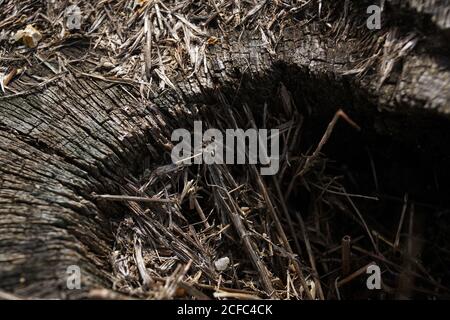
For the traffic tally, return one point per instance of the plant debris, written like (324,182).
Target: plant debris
(29,36)
(216,231)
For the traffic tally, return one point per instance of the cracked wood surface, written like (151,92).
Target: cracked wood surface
(78,135)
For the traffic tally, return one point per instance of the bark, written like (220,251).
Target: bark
(78,135)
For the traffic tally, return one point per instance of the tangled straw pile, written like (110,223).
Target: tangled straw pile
(144,42)
(209,230)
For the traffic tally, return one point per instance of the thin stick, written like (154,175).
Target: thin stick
(346,241)
(9,296)
(201,213)
(238,296)
(302,169)
(354,275)
(369,233)
(146,279)
(400,224)
(312,261)
(339,114)
(286,214)
(148,47)
(117,198)
(374,170)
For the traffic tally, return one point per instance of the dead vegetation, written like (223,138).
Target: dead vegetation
(143,42)
(216,231)
(151,43)
(220,231)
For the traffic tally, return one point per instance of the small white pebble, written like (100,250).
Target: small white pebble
(222,264)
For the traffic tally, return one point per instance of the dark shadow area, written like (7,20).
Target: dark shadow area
(384,188)
(400,158)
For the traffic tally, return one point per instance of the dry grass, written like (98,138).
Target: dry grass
(145,42)
(180,220)
(277,245)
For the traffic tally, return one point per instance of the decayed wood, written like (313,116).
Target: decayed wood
(79,136)
(57,148)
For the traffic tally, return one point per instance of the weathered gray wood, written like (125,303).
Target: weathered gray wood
(78,135)
(57,147)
